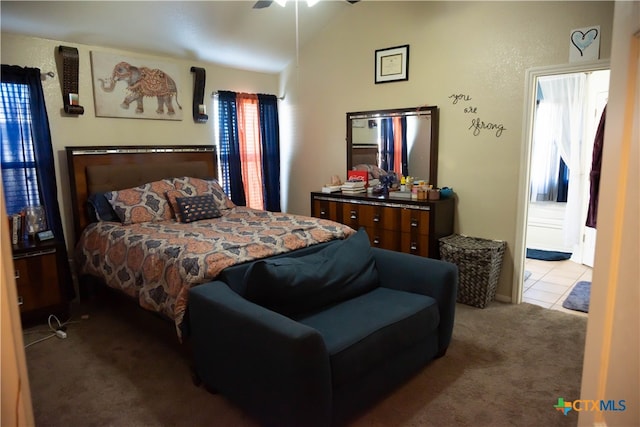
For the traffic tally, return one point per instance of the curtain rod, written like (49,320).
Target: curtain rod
(281,98)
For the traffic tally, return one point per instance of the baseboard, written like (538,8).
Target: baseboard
(503,298)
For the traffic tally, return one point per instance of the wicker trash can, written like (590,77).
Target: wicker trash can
(479,264)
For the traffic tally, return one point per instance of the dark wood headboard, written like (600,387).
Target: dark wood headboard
(100,168)
(365,155)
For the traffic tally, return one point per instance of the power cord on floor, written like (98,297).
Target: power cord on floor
(40,340)
(58,329)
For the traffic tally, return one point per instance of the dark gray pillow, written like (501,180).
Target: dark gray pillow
(197,207)
(100,209)
(293,286)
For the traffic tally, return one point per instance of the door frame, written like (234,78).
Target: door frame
(531,80)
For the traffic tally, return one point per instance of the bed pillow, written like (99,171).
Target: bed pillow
(374,171)
(172,196)
(197,207)
(296,285)
(199,187)
(100,209)
(145,203)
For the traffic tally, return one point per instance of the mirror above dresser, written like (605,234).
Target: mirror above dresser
(404,140)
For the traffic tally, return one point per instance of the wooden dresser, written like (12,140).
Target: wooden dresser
(409,226)
(36,268)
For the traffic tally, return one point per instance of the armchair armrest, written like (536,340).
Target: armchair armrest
(268,363)
(427,276)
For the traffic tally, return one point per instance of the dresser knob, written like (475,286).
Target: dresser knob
(376,240)
(414,222)
(376,218)
(323,213)
(17,274)
(414,246)
(354,215)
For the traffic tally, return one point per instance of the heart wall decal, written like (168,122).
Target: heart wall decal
(584,44)
(583,40)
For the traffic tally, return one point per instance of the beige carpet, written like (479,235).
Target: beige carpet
(507,365)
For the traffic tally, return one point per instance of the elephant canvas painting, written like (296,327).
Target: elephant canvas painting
(135,88)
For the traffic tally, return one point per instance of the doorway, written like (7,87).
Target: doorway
(552,212)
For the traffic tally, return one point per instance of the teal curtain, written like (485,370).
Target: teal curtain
(231,178)
(270,132)
(387,135)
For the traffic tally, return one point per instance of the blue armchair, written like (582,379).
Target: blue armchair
(376,318)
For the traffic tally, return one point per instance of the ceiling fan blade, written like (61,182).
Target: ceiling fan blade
(261,4)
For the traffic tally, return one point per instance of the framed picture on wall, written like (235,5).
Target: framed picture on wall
(392,64)
(135,88)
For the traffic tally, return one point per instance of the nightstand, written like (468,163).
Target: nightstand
(36,266)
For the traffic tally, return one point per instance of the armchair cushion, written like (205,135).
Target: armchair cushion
(292,286)
(362,332)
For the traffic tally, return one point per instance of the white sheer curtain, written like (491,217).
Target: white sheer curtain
(545,157)
(563,97)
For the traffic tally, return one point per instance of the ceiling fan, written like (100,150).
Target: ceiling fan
(261,4)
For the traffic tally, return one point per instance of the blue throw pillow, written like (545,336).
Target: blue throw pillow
(100,209)
(293,286)
(197,207)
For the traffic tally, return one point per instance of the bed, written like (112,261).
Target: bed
(152,222)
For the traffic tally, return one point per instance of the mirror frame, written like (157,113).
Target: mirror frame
(432,110)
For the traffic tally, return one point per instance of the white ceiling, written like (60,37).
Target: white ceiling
(229,33)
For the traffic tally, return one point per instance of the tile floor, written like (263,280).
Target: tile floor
(551,281)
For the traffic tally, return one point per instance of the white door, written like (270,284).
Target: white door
(596,100)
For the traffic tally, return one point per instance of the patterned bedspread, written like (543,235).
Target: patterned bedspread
(158,262)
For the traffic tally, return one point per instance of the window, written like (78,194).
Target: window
(248,134)
(17,158)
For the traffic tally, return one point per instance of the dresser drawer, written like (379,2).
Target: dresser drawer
(384,239)
(415,232)
(325,209)
(352,214)
(380,217)
(414,243)
(414,221)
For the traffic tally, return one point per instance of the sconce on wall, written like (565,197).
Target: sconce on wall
(70,65)
(199,108)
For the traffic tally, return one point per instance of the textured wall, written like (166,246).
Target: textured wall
(477,49)
(88,129)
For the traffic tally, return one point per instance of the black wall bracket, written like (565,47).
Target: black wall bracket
(70,65)
(199,108)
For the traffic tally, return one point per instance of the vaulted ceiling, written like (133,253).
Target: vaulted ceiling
(230,33)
